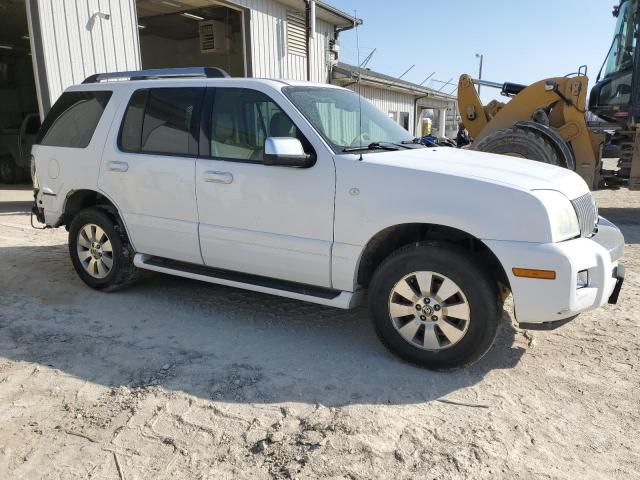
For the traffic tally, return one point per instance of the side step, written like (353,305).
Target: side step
(255,283)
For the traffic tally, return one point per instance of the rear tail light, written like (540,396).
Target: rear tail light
(34,178)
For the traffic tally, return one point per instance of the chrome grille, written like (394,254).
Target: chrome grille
(587,211)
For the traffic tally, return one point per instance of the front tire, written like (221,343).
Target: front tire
(518,142)
(433,305)
(100,250)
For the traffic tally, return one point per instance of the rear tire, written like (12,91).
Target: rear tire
(8,170)
(100,250)
(429,330)
(521,143)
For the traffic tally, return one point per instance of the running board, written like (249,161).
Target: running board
(255,283)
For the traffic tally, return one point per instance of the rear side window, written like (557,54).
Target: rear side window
(73,119)
(162,121)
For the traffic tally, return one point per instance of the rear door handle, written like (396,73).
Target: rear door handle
(218,177)
(118,166)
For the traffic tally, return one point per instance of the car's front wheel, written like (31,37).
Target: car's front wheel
(434,306)
(100,250)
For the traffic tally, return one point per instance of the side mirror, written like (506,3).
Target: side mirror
(286,152)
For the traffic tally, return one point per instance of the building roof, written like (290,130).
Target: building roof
(345,73)
(327,12)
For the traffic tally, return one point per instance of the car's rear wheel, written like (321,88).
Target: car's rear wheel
(434,306)
(100,250)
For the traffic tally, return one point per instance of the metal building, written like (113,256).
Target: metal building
(48,45)
(404,101)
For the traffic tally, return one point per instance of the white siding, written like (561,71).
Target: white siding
(72,49)
(270,58)
(389,101)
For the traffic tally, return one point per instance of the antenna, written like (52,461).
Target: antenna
(407,71)
(368,59)
(425,80)
(355,12)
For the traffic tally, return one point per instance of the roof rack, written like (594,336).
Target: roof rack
(157,73)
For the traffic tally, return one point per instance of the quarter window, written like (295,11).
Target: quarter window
(73,119)
(242,119)
(162,121)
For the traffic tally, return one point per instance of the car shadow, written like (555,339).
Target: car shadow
(211,341)
(15,208)
(627,220)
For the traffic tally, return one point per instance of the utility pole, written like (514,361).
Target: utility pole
(481,57)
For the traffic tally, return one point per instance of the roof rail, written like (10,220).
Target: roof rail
(191,72)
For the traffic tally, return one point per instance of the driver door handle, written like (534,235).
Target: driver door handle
(118,166)
(218,177)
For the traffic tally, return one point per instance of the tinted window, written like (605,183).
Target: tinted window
(73,119)
(162,120)
(242,120)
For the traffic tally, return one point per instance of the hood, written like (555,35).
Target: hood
(500,169)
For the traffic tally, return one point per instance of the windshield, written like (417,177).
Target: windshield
(624,42)
(337,116)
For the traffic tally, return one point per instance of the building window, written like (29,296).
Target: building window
(296,33)
(393,116)
(403,120)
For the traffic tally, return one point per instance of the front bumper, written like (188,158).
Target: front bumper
(540,301)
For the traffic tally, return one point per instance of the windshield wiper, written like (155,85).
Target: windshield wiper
(375,146)
(415,143)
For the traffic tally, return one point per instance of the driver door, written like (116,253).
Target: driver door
(271,221)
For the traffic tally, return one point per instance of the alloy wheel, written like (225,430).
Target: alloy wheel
(95,251)
(429,310)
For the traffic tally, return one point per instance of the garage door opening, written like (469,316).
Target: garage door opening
(19,118)
(212,36)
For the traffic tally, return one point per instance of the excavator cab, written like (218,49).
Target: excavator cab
(616,95)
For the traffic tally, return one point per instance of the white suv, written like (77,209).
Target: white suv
(309,192)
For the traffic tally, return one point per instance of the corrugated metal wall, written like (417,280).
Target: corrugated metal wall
(389,101)
(269,44)
(73,46)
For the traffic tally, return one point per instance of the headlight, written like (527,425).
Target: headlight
(562,215)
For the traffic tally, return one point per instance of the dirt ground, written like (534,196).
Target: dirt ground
(180,379)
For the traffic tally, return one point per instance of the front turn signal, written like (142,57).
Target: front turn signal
(531,273)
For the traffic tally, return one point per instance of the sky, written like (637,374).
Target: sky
(522,40)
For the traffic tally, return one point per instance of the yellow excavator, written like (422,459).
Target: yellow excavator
(547,121)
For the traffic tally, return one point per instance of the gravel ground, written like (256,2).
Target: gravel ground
(179,379)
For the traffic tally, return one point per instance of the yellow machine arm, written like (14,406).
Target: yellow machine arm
(555,103)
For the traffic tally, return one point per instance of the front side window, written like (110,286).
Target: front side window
(242,119)
(162,121)
(73,119)
(344,119)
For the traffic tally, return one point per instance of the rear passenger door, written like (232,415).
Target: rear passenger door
(149,170)
(264,220)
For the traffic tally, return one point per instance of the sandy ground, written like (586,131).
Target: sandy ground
(179,379)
